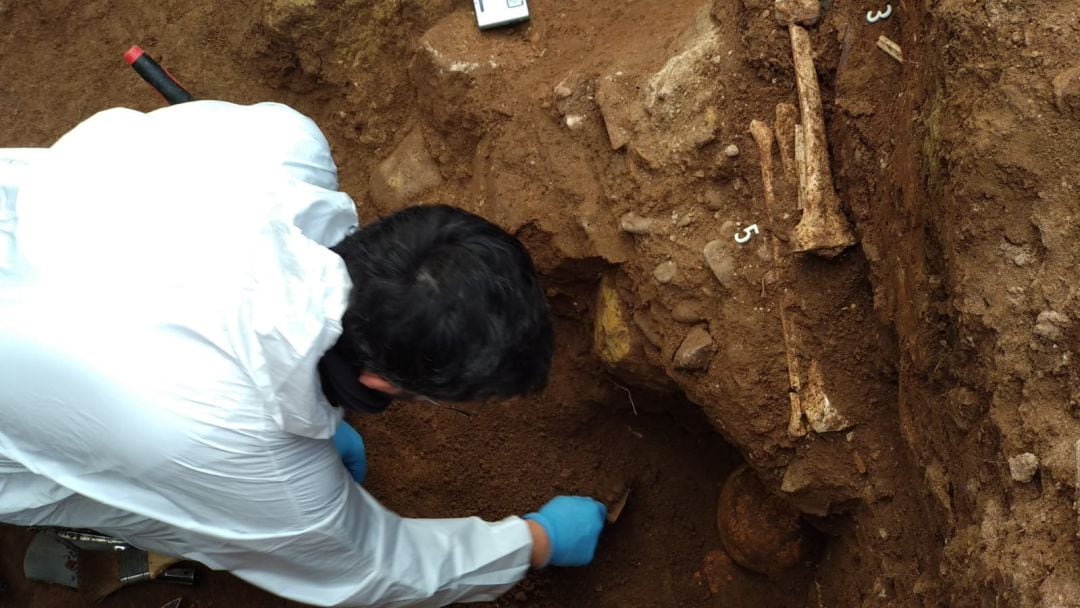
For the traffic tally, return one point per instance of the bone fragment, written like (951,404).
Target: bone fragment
(763,136)
(796,425)
(787,116)
(802,12)
(819,410)
(800,166)
(891,48)
(823,230)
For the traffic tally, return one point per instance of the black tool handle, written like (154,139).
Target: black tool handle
(179,576)
(157,76)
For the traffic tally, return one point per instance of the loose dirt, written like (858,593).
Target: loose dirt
(945,339)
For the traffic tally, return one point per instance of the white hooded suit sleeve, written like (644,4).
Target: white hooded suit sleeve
(165,296)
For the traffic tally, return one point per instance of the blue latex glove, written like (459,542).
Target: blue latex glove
(350,446)
(573,525)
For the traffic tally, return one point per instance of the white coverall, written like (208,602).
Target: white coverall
(165,296)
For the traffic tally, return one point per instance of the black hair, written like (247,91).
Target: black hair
(447,305)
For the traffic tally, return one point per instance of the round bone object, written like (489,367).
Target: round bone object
(760,532)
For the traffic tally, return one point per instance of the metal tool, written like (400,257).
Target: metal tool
(157,76)
(51,560)
(91,541)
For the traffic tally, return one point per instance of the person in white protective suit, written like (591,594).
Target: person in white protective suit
(187,308)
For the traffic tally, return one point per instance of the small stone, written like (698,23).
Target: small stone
(1067,92)
(731,151)
(687,311)
(665,272)
(574,121)
(685,220)
(635,224)
(696,351)
(520,597)
(713,200)
(562,91)
(719,261)
(1023,467)
(802,12)
(1049,324)
(406,174)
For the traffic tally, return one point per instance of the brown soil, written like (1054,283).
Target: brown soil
(946,338)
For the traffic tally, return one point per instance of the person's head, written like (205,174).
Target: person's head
(444,305)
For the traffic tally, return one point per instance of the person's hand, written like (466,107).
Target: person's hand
(573,525)
(350,446)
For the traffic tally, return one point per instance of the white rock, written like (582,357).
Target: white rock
(665,271)
(1023,467)
(1049,325)
(406,174)
(635,224)
(574,121)
(731,151)
(562,91)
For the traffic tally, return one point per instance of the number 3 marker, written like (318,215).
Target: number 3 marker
(872,17)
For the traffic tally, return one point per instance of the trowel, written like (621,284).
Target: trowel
(615,501)
(51,560)
(53,557)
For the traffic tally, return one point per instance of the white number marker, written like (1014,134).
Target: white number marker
(872,17)
(747,233)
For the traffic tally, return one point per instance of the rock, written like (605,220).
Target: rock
(1067,92)
(802,12)
(665,271)
(562,91)
(760,532)
(663,118)
(574,121)
(619,343)
(713,200)
(731,151)
(696,350)
(635,224)
(688,311)
(1023,467)
(719,260)
(407,173)
(1049,324)
(643,320)
(620,107)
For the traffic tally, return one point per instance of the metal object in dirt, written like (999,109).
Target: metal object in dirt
(173,603)
(91,541)
(51,560)
(177,576)
(615,509)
